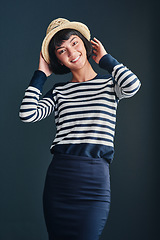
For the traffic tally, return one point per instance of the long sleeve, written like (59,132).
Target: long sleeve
(32,108)
(126,82)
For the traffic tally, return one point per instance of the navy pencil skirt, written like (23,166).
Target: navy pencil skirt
(76,198)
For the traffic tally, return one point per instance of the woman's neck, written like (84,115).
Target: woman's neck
(84,74)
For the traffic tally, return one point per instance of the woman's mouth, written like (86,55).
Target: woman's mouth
(75,59)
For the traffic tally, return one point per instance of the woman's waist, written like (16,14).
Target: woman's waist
(87,151)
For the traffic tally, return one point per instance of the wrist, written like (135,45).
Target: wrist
(38,79)
(107,62)
(42,71)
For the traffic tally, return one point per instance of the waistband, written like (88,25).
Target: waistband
(62,156)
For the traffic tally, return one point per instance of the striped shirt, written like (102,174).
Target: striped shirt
(85,112)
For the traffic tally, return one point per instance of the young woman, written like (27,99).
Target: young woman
(77,187)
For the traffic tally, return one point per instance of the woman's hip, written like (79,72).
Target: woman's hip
(78,178)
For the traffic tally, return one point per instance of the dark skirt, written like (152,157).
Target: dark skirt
(76,197)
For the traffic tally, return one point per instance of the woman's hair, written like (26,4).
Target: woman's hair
(57,40)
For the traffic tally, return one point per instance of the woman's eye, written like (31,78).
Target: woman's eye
(74,43)
(62,51)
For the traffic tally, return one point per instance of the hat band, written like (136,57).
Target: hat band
(55,27)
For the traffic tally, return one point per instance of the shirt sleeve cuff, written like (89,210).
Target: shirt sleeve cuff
(107,62)
(38,80)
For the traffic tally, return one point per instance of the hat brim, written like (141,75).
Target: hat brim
(82,28)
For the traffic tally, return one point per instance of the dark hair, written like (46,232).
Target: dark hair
(57,40)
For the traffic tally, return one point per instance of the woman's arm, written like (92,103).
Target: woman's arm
(126,82)
(32,108)
(43,66)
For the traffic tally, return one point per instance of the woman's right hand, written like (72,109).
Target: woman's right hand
(43,66)
(98,50)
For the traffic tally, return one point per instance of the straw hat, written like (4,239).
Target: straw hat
(57,25)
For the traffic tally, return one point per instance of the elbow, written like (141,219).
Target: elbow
(27,118)
(137,87)
(134,86)
(24,119)
(131,91)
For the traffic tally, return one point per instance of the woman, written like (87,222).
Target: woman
(77,187)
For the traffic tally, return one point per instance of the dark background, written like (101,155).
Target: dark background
(129,31)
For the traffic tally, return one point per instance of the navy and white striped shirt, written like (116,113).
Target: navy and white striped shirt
(85,112)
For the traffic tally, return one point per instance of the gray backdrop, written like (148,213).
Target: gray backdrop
(129,31)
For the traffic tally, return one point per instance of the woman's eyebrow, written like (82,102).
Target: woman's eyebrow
(59,48)
(62,46)
(72,39)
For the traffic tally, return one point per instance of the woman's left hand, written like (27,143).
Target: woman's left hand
(43,66)
(98,50)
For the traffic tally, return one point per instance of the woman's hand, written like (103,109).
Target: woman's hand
(43,66)
(98,50)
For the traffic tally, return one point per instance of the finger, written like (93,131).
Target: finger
(94,43)
(98,43)
(95,52)
(94,57)
(96,40)
(95,47)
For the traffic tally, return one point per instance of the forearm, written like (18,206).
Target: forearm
(32,108)
(127,83)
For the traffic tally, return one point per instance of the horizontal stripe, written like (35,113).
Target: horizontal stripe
(26,117)
(82,137)
(31,98)
(96,131)
(28,104)
(85,108)
(33,89)
(86,140)
(85,95)
(87,121)
(131,92)
(80,89)
(126,79)
(73,85)
(69,102)
(109,100)
(85,112)
(85,116)
(84,130)
(74,105)
(96,136)
(130,82)
(94,126)
(87,136)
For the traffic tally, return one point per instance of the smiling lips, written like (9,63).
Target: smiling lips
(76,59)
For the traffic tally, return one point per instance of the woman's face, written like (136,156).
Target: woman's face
(72,53)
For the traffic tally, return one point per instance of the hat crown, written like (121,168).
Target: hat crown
(56,23)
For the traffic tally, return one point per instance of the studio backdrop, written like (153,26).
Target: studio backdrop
(128,30)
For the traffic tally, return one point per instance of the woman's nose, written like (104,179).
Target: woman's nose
(70,51)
